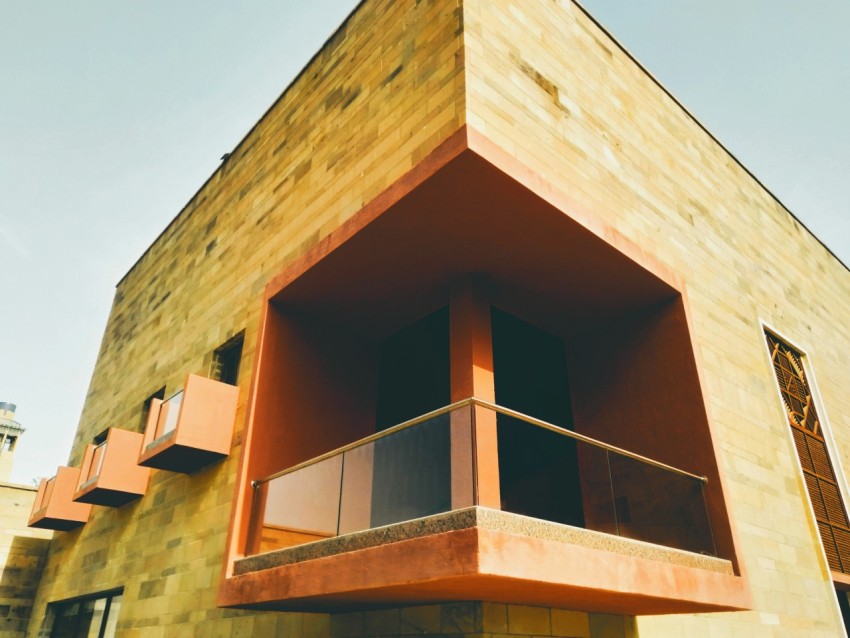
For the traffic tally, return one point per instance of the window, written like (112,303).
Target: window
(8,443)
(146,408)
(226,359)
(830,512)
(91,617)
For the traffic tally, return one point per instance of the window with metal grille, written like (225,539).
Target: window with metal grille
(830,512)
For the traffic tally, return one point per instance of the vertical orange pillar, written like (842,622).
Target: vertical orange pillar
(472,376)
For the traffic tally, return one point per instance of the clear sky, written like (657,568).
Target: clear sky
(112,114)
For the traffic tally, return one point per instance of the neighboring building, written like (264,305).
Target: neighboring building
(486,205)
(10,432)
(22,550)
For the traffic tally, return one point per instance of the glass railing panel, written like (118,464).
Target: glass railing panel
(168,414)
(415,471)
(299,507)
(97,461)
(595,485)
(399,477)
(550,474)
(538,472)
(48,493)
(660,506)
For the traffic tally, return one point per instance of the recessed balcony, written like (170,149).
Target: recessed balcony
(191,429)
(564,498)
(475,284)
(54,507)
(110,475)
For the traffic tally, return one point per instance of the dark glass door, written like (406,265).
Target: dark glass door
(538,469)
(412,469)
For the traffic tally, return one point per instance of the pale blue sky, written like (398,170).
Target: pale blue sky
(113,113)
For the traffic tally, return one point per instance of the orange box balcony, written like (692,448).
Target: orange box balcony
(399,518)
(54,507)
(110,475)
(191,429)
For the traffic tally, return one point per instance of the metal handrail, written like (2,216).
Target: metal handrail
(491,406)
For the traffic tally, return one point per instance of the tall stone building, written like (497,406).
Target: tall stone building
(22,549)
(477,332)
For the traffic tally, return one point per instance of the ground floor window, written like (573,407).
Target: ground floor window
(90,617)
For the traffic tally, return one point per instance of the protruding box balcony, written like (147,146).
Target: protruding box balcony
(54,506)
(110,475)
(192,428)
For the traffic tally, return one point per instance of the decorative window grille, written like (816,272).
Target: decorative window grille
(830,512)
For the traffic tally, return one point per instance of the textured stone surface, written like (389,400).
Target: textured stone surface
(480,620)
(487,519)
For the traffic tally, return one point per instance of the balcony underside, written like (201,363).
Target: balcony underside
(484,554)
(106,497)
(54,523)
(175,457)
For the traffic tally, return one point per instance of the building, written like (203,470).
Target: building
(476,332)
(22,549)
(10,432)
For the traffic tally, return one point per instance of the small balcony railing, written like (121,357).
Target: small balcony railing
(429,465)
(166,422)
(91,471)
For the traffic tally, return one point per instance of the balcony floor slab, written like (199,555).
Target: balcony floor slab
(484,554)
(484,518)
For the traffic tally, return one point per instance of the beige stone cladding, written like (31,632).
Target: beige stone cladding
(380,95)
(548,86)
(542,82)
(22,554)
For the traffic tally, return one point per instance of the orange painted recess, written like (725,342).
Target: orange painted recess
(54,507)
(110,475)
(191,429)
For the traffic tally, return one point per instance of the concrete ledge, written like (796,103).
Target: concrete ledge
(483,518)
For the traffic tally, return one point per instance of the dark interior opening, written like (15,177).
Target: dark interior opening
(226,360)
(844,606)
(413,378)
(538,468)
(412,469)
(146,409)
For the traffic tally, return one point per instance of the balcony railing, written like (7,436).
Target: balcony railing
(428,466)
(166,422)
(91,471)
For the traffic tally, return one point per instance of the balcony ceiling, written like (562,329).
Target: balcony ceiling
(470,217)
